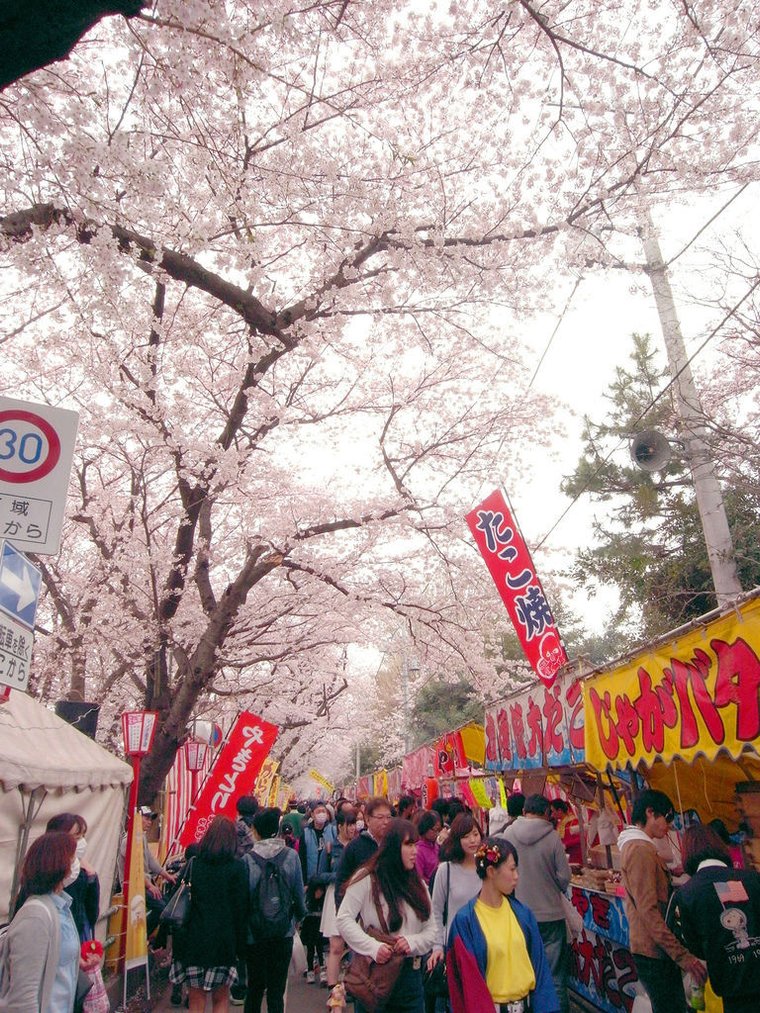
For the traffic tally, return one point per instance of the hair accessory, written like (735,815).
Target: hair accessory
(488,854)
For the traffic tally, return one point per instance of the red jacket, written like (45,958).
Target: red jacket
(468,991)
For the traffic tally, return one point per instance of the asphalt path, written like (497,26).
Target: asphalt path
(300,998)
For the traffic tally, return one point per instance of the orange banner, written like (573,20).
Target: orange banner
(695,696)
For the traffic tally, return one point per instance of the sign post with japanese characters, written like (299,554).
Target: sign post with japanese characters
(36,452)
(19,589)
(501,544)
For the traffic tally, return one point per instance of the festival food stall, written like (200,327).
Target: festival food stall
(536,737)
(682,714)
(685,714)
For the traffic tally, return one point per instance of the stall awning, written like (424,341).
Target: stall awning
(39,749)
(697,695)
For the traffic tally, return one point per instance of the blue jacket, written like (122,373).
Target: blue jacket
(466,927)
(314,861)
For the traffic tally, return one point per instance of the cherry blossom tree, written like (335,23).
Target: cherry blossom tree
(279,258)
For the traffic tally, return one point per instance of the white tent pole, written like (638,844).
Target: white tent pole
(23,836)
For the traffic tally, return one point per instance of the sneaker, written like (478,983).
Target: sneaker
(309,977)
(323,977)
(176,996)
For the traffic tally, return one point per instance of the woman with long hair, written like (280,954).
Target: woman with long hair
(495,955)
(206,951)
(716,915)
(456,879)
(43,942)
(389,889)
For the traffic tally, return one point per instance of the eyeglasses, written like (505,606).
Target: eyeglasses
(383,817)
(669,816)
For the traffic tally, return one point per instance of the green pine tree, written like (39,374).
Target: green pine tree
(650,541)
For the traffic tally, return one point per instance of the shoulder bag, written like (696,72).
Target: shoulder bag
(176,914)
(368,982)
(436,985)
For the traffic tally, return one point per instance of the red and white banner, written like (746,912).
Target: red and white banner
(449,755)
(180,789)
(501,544)
(234,774)
(416,767)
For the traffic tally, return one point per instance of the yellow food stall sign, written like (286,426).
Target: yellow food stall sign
(694,696)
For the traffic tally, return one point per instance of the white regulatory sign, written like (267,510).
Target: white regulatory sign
(36,452)
(16,641)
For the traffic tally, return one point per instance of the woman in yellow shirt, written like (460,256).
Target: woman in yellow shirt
(495,953)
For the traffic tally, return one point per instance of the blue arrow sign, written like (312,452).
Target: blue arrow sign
(19,585)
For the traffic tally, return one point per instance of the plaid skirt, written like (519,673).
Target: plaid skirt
(206,978)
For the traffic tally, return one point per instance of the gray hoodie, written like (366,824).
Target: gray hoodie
(267,849)
(543,867)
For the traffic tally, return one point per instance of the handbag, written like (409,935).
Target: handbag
(368,982)
(96,1000)
(176,914)
(435,983)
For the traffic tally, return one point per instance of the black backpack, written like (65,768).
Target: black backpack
(271,900)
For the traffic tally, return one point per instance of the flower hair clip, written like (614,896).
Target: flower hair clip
(488,854)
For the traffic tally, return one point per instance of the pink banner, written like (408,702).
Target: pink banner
(417,767)
(232,775)
(498,537)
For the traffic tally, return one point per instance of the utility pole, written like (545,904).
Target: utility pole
(407,666)
(720,549)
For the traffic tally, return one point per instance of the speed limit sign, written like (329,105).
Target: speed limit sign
(36,452)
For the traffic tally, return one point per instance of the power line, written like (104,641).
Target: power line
(647,409)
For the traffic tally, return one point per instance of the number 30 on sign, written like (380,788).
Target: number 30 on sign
(29,446)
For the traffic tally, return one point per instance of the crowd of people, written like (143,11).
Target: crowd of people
(455,921)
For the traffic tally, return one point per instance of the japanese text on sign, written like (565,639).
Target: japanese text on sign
(15,653)
(541,727)
(232,774)
(698,696)
(498,537)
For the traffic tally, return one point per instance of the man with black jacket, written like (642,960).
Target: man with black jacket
(362,848)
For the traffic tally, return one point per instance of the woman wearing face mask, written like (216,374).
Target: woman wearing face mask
(456,882)
(317,839)
(495,954)
(43,943)
(82,885)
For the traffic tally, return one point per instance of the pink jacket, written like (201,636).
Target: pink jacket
(427,859)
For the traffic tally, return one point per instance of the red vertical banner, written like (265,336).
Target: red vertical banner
(234,774)
(502,546)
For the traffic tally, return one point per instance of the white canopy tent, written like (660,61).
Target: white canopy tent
(47,767)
